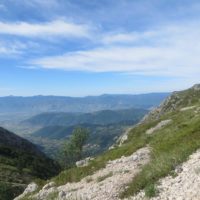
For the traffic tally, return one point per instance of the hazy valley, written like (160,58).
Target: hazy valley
(40,120)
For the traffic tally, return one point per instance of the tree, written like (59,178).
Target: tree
(73,148)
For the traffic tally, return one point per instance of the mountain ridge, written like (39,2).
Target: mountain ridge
(103,117)
(38,104)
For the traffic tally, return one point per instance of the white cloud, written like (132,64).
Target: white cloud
(10,49)
(115,38)
(28,67)
(53,28)
(168,51)
(4,50)
(15,48)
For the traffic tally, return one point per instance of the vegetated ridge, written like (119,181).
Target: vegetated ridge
(104,117)
(20,163)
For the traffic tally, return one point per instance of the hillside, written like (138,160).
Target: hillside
(104,127)
(101,137)
(20,163)
(105,117)
(158,147)
(39,104)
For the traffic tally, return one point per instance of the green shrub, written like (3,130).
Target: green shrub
(150,190)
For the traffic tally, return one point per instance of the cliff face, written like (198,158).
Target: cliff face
(21,162)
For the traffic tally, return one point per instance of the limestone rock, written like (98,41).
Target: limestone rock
(49,185)
(158,126)
(61,195)
(32,187)
(83,163)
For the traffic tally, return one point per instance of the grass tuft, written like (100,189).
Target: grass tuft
(150,191)
(102,178)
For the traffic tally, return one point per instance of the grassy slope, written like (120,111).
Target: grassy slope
(170,146)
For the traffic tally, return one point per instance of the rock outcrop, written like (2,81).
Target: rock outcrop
(83,163)
(32,187)
(175,102)
(159,126)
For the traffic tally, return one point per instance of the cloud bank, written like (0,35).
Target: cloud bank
(53,28)
(166,51)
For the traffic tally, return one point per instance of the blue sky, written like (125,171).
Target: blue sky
(92,47)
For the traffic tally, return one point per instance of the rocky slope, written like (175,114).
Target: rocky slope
(159,160)
(106,183)
(184,185)
(175,102)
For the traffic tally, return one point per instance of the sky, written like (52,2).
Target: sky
(93,47)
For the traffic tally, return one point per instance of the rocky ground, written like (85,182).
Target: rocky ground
(105,184)
(184,186)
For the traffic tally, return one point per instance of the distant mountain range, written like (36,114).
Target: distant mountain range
(39,104)
(21,162)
